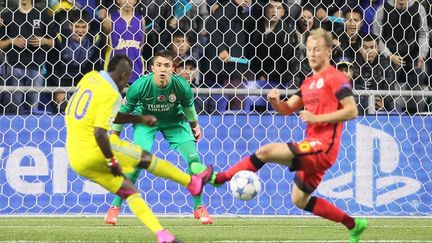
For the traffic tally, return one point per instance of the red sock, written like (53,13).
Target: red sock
(251,163)
(323,208)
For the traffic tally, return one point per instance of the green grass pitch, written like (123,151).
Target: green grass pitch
(225,229)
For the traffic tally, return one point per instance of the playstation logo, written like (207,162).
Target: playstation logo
(376,178)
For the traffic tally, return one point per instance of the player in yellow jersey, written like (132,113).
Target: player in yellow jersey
(104,158)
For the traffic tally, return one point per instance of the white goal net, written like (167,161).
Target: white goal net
(232,52)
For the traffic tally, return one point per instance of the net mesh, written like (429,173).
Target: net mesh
(236,51)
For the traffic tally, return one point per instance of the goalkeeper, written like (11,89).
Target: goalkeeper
(169,98)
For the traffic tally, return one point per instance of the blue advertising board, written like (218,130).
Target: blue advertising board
(384,168)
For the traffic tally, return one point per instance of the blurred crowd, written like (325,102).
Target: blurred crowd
(379,44)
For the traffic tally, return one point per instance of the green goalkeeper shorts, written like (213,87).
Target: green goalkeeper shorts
(175,134)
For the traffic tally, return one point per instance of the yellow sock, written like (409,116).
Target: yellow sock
(139,207)
(165,169)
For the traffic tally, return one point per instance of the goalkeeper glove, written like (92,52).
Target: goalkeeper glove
(114,166)
(197,132)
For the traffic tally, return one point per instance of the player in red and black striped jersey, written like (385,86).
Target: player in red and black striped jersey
(328,101)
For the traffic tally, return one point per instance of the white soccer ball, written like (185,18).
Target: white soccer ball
(245,185)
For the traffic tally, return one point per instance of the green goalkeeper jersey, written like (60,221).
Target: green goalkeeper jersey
(166,104)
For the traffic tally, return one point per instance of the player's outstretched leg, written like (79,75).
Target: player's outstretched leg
(189,152)
(200,210)
(114,210)
(321,207)
(197,182)
(251,163)
(164,236)
(112,215)
(140,208)
(201,214)
(162,168)
(356,232)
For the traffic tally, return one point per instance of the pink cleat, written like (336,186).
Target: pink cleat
(164,236)
(198,181)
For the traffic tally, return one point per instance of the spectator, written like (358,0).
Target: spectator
(370,8)
(185,16)
(273,45)
(61,8)
(335,22)
(372,71)
(188,70)
(59,11)
(228,38)
(351,39)
(78,54)
(9,4)
(346,66)
(304,24)
(404,40)
(158,31)
(26,37)
(321,13)
(164,18)
(330,3)
(337,52)
(427,4)
(180,47)
(12,5)
(126,30)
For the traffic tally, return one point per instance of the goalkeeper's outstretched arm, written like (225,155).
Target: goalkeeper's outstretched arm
(284,107)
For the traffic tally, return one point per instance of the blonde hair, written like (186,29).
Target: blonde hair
(322,33)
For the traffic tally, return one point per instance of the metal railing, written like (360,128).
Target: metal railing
(250,92)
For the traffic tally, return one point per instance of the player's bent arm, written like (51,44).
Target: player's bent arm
(5,43)
(103,142)
(287,107)
(191,115)
(349,111)
(192,118)
(122,118)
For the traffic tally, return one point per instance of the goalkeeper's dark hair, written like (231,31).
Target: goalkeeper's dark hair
(76,15)
(112,65)
(164,53)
